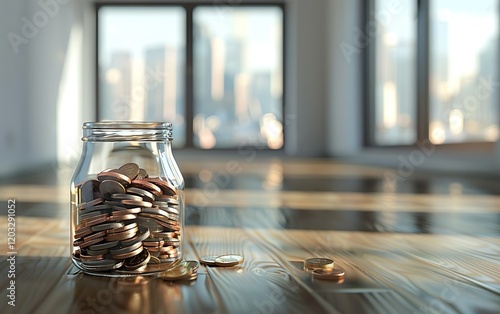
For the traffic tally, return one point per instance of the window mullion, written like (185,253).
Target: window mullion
(423,70)
(189,76)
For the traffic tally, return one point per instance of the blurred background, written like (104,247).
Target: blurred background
(360,81)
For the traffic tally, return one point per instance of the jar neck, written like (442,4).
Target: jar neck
(127,131)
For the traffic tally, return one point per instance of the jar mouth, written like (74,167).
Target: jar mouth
(127,125)
(123,131)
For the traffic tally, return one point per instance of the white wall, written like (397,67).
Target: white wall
(30,79)
(13,91)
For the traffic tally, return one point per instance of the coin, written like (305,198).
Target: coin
(113,175)
(166,188)
(142,234)
(107,226)
(175,273)
(104,246)
(85,257)
(122,217)
(124,228)
(329,274)
(153,243)
(163,234)
(94,236)
(318,263)
(106,267)
(161,249)
(143,174)
(97,252)
(208,260)
(121,236)
(84,245)
(82,233)
(131,170)
(168,199)
(143,184)
(118,196)
(131,203)
(118,210)
(228,260)
(90,203)
(87,190)
(128,254)
(146,195)
(109,187)
(125,249)
(192,266)
(137,261)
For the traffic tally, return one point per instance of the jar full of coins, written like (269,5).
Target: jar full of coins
(127,200)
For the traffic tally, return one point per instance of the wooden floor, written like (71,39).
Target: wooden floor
(417,244)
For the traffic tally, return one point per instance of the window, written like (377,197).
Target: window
(215,71)
(434,68)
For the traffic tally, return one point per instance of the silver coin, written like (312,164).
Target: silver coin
(146,195)
(125,249)
(119,197)
(228,260)
(104,246)
(109,187)
(208,260)
(97,252)
(87,190)
(143,174)
(116,265)
(131,170)
(142,234)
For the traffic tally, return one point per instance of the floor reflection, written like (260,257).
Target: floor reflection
(346,220)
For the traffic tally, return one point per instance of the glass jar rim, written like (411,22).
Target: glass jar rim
(127,125)
(124,131)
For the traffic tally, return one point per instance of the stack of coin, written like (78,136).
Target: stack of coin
(226,260)
(187,270)
(126,218)
(324,268)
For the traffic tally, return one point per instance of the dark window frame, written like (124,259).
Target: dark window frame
(189,7)
(422,88)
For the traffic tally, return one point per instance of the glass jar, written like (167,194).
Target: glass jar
(127,200)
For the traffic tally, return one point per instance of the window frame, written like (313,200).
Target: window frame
(189,7)
(422,88)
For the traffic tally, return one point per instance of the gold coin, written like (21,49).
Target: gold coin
(228,260)
(192,266)
(318,263)
(175,273)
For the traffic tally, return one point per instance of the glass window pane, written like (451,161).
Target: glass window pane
(141,60)
(395,71)
(238,89)
(464,68)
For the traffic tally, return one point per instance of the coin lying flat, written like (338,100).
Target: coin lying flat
(208,260)
(228,260)
(184,271)
(318,263)
(175,273)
